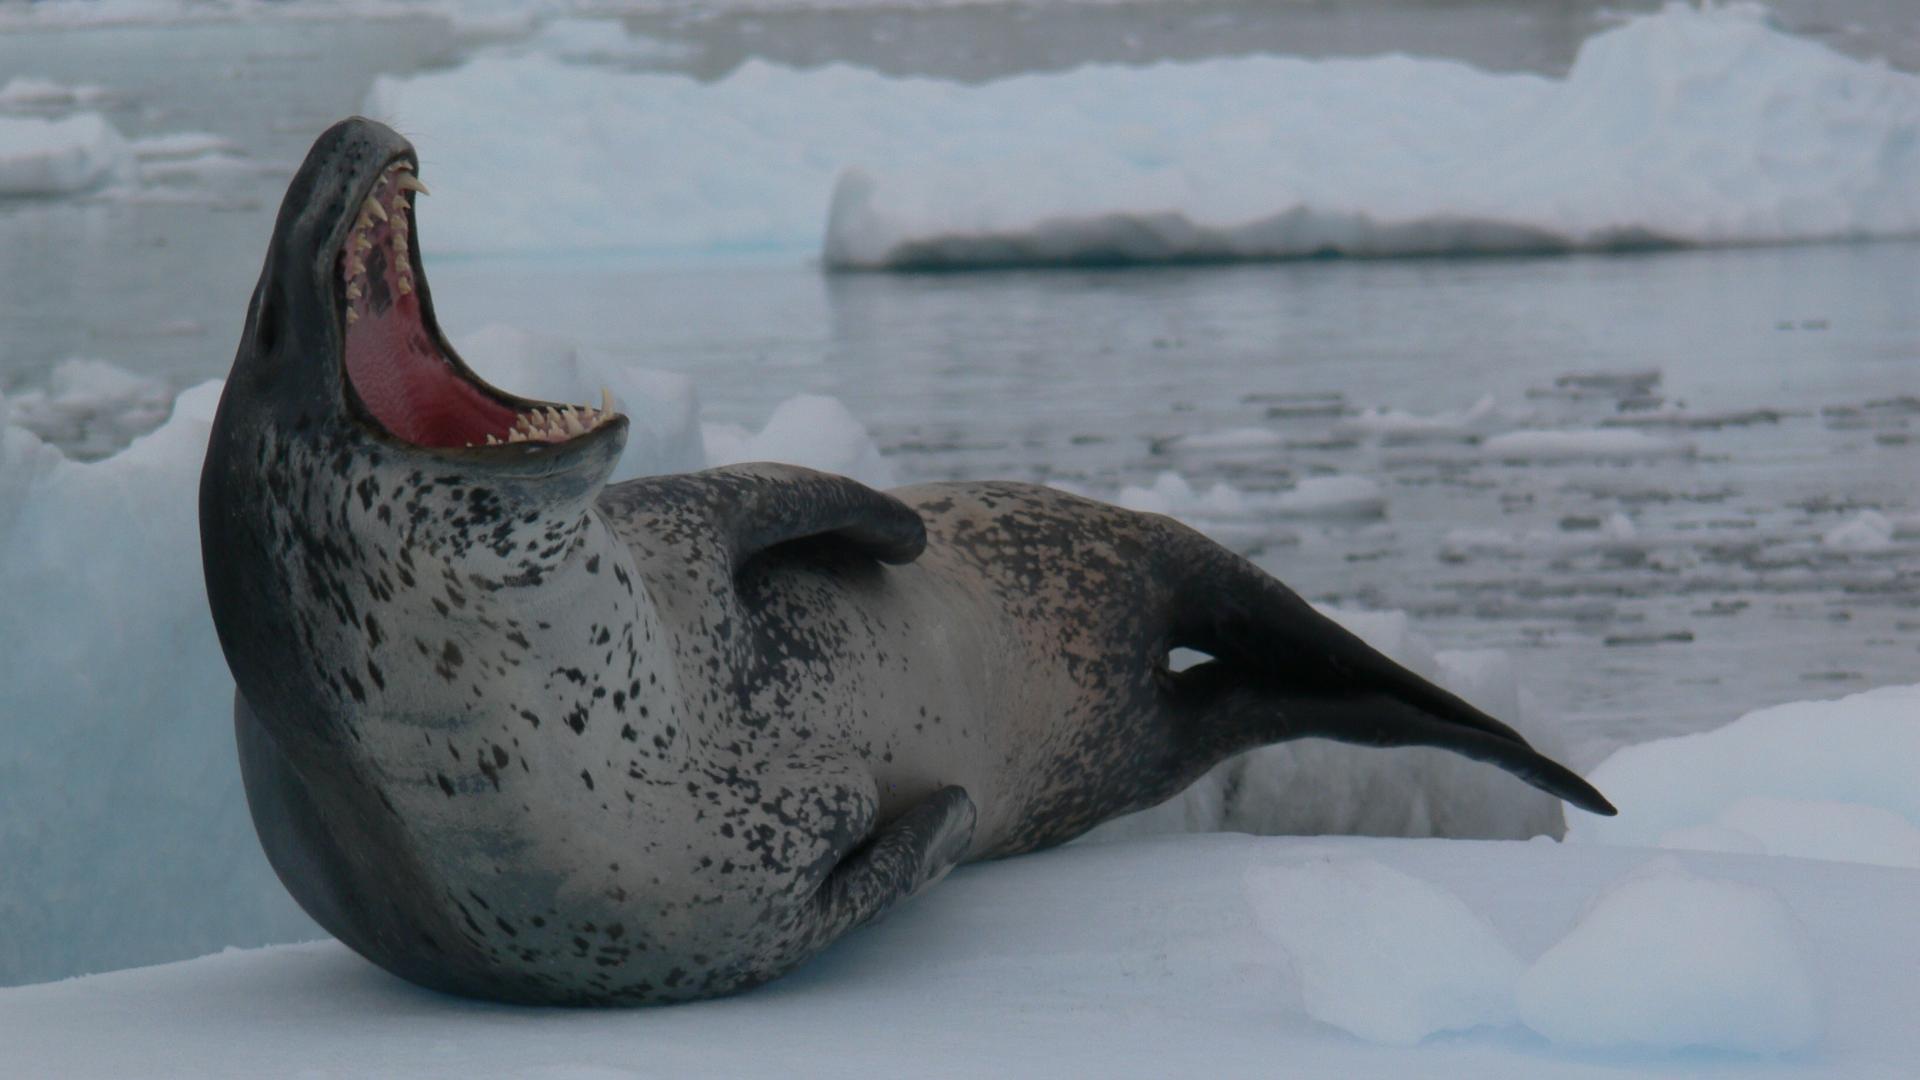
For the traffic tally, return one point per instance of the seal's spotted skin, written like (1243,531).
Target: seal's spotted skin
(510,732)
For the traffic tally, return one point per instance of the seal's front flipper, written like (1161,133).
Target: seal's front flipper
(905,856)
(769,504)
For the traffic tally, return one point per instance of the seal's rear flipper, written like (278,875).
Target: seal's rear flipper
(1285,671)
(904,856)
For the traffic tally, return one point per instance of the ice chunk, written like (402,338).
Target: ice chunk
(1333,497)
(182,144)
(1869,530)
(91,408)
(1567,445)
(1804,778)
(1681,126)
(60,157)
(28,92)
(663,433)
(1336,497)
(811,430)
(1382,954)
(1172,495)
(1666,960)
(1399,425)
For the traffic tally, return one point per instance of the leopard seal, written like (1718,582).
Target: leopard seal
(511,731)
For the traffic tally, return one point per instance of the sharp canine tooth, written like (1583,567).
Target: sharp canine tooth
(372,206)
(606,401)
(409,182)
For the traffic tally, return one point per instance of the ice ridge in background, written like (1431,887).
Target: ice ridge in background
(1684,127)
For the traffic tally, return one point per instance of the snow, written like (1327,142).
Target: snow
(77,153)
(1138,959)
(1384,955)
(1666,960)
(1814,779)
(1687,126)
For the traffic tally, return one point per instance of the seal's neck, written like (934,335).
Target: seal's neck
(425,599)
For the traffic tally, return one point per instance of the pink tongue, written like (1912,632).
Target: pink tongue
(402,379)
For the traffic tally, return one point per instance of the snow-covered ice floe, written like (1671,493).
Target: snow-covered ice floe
(1684,126)
(1184,956)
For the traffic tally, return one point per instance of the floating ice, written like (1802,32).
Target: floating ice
(182,144)
(663,412)
(1382,954)
(1399,425)
(1601,443)
(60,157)
(810,430)
(1869,530)
(1325,497)
(1668,961)
(27,92)
(91,408)
(1332,497)
(1245,438)
(1824,779)
(1684,126)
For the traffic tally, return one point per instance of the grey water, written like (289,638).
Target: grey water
(1787,378)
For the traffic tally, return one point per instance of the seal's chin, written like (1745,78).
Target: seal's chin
(399,369)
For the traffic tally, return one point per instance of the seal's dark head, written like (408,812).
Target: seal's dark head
(341,329)
(352,445)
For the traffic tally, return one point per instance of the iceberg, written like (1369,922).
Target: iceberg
(1681,127)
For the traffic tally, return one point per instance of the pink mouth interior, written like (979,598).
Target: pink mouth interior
(395,362)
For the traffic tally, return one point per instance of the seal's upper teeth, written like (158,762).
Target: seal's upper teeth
(372,206)
(409,182)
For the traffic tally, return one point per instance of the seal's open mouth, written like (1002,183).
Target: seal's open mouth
(397,364)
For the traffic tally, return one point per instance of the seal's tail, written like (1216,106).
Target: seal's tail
(1281,670)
